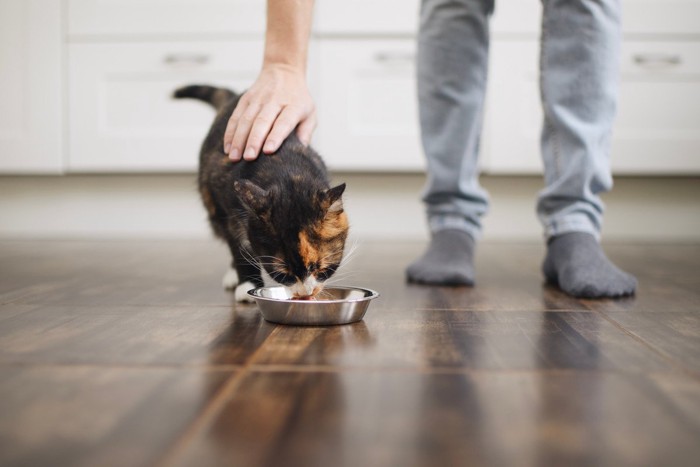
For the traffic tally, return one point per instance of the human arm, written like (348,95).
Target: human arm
(279,100)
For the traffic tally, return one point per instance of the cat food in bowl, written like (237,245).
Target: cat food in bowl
(333,305)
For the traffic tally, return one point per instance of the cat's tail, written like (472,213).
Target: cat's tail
(217,97)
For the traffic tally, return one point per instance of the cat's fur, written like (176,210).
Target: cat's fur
(282,221)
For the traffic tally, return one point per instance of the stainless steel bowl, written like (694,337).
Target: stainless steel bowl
(335,305)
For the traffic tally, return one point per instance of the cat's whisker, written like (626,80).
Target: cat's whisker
(249,258)
(349,253)
(331,256)
(274,266)
(343,273)
(324,294)
(273,259)
(339,279)
(270,263)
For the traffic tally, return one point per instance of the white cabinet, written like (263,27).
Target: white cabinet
(514,116)
(367,106)
(659,110)
(377,18)
(157,18)
(122,116)
(365,86)
(30,87)
(648,18)
(123,58)
(657,18)
(656,126)
(367,110)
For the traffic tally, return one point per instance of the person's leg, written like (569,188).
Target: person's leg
(579,74)
(452,67)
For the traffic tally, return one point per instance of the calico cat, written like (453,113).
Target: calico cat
(282,221)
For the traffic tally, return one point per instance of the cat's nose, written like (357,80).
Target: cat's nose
(305,288)
(302,289)
(308,288)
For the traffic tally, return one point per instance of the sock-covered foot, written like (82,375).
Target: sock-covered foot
(448,260)
(577,264)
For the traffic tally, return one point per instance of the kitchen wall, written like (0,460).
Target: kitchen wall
(380,206)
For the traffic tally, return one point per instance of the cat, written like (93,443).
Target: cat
(281,219)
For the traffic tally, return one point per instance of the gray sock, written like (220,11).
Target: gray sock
(577,264)
(448,260)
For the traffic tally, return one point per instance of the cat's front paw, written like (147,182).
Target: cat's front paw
(241,293)
(230,279)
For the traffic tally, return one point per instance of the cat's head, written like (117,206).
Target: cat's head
(298,239)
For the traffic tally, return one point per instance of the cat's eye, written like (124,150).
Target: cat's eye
(325,273)
(283,278)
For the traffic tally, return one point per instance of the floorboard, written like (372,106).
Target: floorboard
(131,353)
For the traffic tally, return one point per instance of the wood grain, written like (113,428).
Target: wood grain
(130,335)
(405,418)
(465,339)
(88,416)
(675,334)
(130,353)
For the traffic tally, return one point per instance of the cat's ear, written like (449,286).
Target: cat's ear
(332,201)
(251,196)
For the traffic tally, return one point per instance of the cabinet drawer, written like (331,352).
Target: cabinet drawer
(658,118)
(639,17)
(368,117)
(647,17)
(159,17)
(378,17)
(656,127)
(121,114)
(387,17)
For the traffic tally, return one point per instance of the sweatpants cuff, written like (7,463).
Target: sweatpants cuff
(438,223)
(578,223)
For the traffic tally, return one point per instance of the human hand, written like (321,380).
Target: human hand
(276,103)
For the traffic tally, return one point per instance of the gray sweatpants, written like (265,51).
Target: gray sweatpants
(578,81)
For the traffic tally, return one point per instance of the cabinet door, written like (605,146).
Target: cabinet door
(521,17)
(30,87)
(368,114)
(122,116)
(656,126)
(514,115)
(659,115)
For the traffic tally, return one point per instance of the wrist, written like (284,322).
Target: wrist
(277,66)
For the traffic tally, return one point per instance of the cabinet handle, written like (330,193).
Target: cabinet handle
(185,59)
(393,57)
(657,61)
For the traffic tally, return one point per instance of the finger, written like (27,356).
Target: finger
(228,135)
(284,125)
(231,127)
(306,128)
(243,126)
(260,129)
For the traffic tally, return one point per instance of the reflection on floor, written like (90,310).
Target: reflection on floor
(129,353)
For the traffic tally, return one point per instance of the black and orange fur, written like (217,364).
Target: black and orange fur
(278,214)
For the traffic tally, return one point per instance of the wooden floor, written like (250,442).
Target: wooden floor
(129,353)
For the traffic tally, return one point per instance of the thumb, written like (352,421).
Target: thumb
(306,128)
